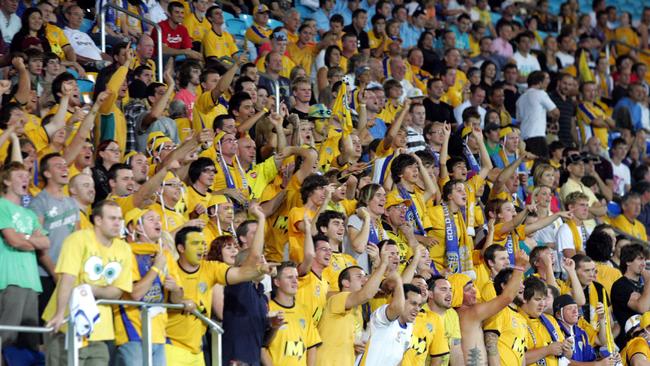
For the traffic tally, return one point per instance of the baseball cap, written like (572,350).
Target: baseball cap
(393,199)
(360,70)
(633,322)
(261,9)
(574,158)
(414,93)
(279,36)
(134,215)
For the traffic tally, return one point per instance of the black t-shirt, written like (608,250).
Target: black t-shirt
(510,101)
(438,112)
(301,115)
(622,289)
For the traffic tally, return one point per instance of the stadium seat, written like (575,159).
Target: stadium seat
(248,19)
(272,23)
(85,86)
(86,25)
(304,11)
(236,27)
(227,16)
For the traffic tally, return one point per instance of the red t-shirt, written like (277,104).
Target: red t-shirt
(177,38)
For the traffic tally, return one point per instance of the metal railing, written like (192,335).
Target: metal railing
(147,346)
(102,32)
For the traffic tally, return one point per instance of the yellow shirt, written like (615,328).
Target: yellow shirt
(297,237)
(338,262)
(607,275)
(403,250)
(110,123)
(205,111)
(454,95)
(635,229)
(172,219)
(287,66)
(277,224)
(539,337)
(291,342)
(215,45)
(92,263)
(35,132)
(186,331)
(236,172)
(428,329)
(637,345)
(258,34)
(512,329)
(56,39)
(260,176)
(128,326)
(194,198)
(312,293)
(195,27)
(84,221)
(338,329)
(438,253)
(472,185)
(125,203)
(452,332)
(586,114)
(303,56)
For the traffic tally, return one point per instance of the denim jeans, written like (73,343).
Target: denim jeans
(130,354)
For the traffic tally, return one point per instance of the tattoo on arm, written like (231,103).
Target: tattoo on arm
(474,357)
(455,341)
(491,342)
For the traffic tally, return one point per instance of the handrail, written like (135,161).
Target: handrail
(102,31)
(25,329)
(625,44)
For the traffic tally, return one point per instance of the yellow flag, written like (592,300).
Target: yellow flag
(341,109)
(583,68)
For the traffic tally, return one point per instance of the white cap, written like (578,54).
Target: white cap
(415,93)
(632,322)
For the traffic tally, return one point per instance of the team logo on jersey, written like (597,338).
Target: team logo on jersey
(419,345)
(294,349)
(317,291)
(203,287)
(302,323)
(253,175)
(335,266)
(430,327)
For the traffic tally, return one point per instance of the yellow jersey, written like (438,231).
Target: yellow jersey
(193,198)
(338,262)
(299,334)
(287,65)
(218,45)
(539,336)
(587,113)
(57,39)
(111,123)
(438,253)
(635,229)
(126,203)
(205,111)
(171,219)
(452,332)
(297,237)
(428,329)
(303,56)
(312,293)
(196,28)
(512,329)
(258,34)
(90,262)
(637,345)
(339,327)
(607,275)
(186,331)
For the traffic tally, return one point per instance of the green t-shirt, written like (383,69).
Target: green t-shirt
(18,267)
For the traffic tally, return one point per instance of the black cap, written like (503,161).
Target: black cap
(574,158)
(562,301)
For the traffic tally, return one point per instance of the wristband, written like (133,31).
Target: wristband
(266,110)
(155,269)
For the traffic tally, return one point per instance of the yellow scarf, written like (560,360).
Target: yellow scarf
(575,232)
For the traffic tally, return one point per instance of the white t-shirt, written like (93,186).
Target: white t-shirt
(82,44)
(622,178)
(458,113)
(388,340)
(566,59)
(9,26)
(565,237)
(526,64)
(532,107)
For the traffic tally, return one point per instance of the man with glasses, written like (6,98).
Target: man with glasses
(201,175)
(166,206)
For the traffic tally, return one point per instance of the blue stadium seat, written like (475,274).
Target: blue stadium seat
(248,19)
(272,23)
(86,25)
(227,16)
(304,11)
(236,27)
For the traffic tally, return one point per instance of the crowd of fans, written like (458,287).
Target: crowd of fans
(366,182)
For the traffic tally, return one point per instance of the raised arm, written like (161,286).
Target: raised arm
(486,162)
(226,79)
(546,221)
(71,151)
(309,158)
(396,305)
(488,309)
(444,151)
(430,188)
(359,238)
(310,253)
(397,124)
(508,172)
(576,288)
(517,220)
(58,120)
(24,82)
(369,290)
(158,109)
